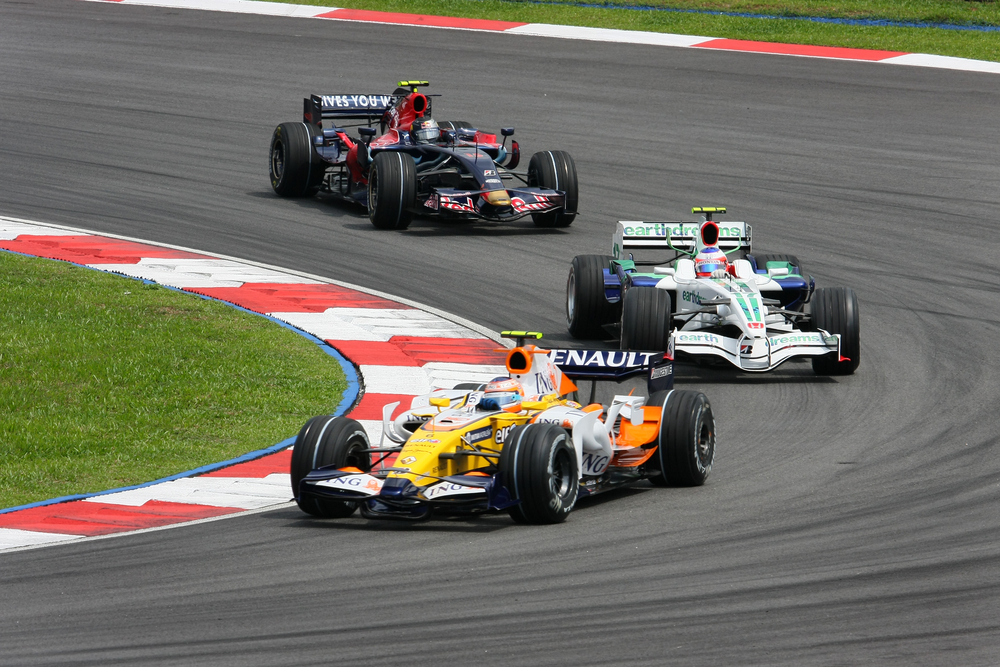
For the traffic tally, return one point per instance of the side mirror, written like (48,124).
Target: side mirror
(506,132)
(366,133)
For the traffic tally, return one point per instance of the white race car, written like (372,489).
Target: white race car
(760,313)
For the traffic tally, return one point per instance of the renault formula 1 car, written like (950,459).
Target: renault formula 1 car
(448,169)
(762,312)
(517,444)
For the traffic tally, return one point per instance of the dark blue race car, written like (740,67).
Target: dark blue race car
(411,164)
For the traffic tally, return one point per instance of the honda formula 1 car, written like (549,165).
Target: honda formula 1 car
(761,311)
(416,165)
(517,444)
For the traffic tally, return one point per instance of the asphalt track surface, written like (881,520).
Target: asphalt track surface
(847,521)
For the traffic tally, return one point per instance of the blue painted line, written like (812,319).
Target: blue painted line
(874,23)
(351,395)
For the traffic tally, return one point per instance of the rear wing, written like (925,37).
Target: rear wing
(345,107)
(680,236)
(533,366)
(615,366)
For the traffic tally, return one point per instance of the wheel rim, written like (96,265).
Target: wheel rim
(560,479)
(372,190)
(705,446)
(357,458)
(571,296)
(278,159)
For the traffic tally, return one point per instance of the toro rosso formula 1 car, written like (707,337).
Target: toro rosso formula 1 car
(416,165)
(517,444)
(755,311)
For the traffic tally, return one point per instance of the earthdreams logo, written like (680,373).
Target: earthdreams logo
(665,229)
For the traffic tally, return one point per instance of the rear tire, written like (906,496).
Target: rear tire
(686,442)
(646,319)
(587,310)
(835,309)
(295,169)
(392,190)
(328,441)
(539,468)
(555,170)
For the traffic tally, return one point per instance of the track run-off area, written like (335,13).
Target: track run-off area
(847,520)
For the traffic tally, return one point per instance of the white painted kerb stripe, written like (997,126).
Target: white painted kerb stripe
(236,6)
(608,35)
(11,229)
(237,492)
(944,62)
(11,538)
(374,324)
(420,380)
(200,273)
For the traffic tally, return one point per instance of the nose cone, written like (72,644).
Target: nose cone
(498,198)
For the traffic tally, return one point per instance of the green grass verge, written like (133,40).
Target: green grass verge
(940,41)
(108,382)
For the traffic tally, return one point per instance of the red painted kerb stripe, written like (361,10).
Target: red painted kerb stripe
(839,52)
(419,19)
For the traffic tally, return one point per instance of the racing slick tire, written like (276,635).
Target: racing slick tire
(587,310)
(646,319)
(295,169)
(555,170)
(392,190)
(539,468)
(325,441)
(685,444)
(835,309)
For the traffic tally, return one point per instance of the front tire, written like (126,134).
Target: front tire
(685,445)
(295,169)
(835,309)
(646,319)
(328,441)
(392,190)
(587,310)
(555,170)
(539,468)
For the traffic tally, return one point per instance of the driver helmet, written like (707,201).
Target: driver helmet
(708,260)
(425,131)
(502,393)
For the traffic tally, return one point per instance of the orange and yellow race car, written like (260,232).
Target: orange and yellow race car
(521,443)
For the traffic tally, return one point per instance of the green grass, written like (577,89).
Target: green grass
(964,44)
(108,382)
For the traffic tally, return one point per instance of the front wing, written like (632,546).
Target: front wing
(757,354)
(379,495)
(466,203)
